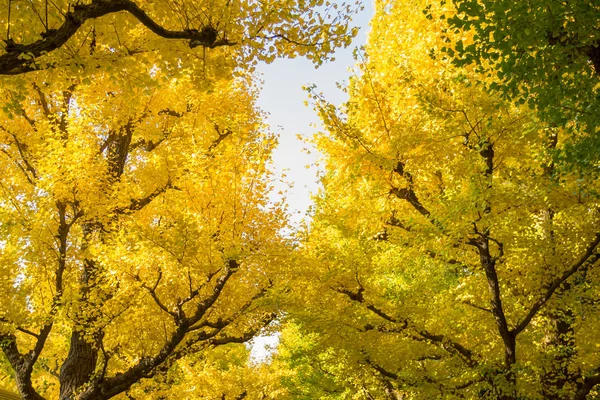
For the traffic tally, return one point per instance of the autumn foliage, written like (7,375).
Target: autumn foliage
(462,262)
(452,253)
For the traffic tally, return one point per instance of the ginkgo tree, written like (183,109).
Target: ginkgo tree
(545,53)
(42,34)
(448,256)
(136,228)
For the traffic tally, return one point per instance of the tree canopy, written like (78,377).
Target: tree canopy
(42,34)
(452,251)
(455,260)
(136,226)
(545,53)
(118,215)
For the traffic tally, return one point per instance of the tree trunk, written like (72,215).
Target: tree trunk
(78,367)
(560,349)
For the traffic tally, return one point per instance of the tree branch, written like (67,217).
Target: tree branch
(488,263)
(159,303)
(404,324)
(20,365)
(147,366)
(588,384)
(247,335)
(222,135)
(588,257)
(450,346)
(22,149)
(12,62)
(205,304)
(195,292)
(138,204)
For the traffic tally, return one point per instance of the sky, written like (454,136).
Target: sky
(283,98)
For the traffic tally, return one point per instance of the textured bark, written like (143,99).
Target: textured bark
(81,362)
(78,367)
(21,365)
(25,386)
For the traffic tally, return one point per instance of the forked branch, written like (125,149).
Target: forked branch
(13,62)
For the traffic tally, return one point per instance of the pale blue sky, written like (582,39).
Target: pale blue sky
(283,98)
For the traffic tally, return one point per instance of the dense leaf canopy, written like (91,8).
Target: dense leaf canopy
(453,256)
(40,34)
(545,53)
(453,248)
